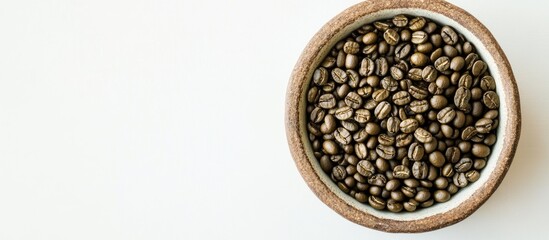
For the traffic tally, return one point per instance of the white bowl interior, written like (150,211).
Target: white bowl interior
(464,193)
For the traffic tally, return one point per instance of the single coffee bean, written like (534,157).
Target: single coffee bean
(403,140)
(320,76)
(491,99)
(480,150)
(409,125)
(377,202)
(317,115)
(472,176)
(312,94)
(392,185)
(380,95)
(479,67)
(382,110)
(381,66)
(449,36)
(344,113)
(487,83)
(339,75)
(460,180)
(429,73)
(463,165)
(369,38)
(342,136)
(442,63)
(361,151)
(401,172)
(365,168)
(367,67)
(416,151)
(391,36)
(394,206)
(457,63)
(393,124)
(419,37)
(447,170)
(437,159)
(362,115)
(417,23)
(339,173)
(420,170)
(396,73)
(389,83)
(479,164)
(351,47)
(377,180)
(401,98)
(418,93)
(441,182)
(353,100)
(419,106)
(330,147)
(402,50)
(419,59)
(423,135)
(415,74)
(422,196)
(453,154)
(386,152)
(410,206)
(441,196)
(461,98)
(446,115)
(490,139)
(483,125)
(327,101)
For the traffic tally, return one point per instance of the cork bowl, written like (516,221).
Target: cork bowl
(468,199)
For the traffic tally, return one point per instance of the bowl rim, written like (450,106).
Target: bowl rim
(295,97)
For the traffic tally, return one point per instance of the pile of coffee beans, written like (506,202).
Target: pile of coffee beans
(402,113)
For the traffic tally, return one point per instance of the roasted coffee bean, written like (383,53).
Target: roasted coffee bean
(441,182)
(400,20)
(423,135)
(327,101)
(419,106)
(403,140)
(342,136)
(377,180)
(401,172)
(429,73)
(409,125)
(487,83)
(463,165)
(343,113)
(419,37)
(382,110)
(483,125)
(380,95)
(353,100)
(442,63)
(446,115)
(351,47)
(461,98)
(377,202)
(416,151)
(418,93)
(361,151)
(401,98)
(367,67)
(457,63)
(449,36)
(381,66)
(330,147)
(437,159)
(441,196)
(390,84)
(460,180)
(422,196)
(393,124)
(453,154)
(420,170)
(320,76)
(419,59)
(402,50)
(385,139)
(339,173)
(417,23)
(339,75)
(479,67)
(410,206)
(386,152)
(491,99)
(480,150)
(396,73)
(472,176)
(394,206)
(391,36)
(317,115)
(365,168)
(415,74)
(362,115)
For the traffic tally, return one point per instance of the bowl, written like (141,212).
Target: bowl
(468,199)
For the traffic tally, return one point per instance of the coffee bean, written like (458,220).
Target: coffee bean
(396,73)
(351,61)
(416,151)
(327,101)
(479,67)
(449,36)
(385,139)
(361,151)
(410,206)
(460,180)
(330,147)
(441,196)
(367,67)
(487,83)
(417,23)
(372,128)
(419,37)
(418,93)
(415,74)
(344,113)
(402,50)
(423,135)
(463,165)
(376,202)
(381,66)
(391,36)
(409,125)
(401,172)
(380,95)
(401,98)
(342,136)
(339,173)
(382,110)
(403,140)
(446,115)
(400,20)
(422,196)
(362,115)
(320,76)
(480,150)
(472,176)
(442,63)
(386,152)
(429,73)
(483,125)
(377,180)
(353,100)
(491,99)
(420,170)
(457,63)
(394,206)
(351,47)
(317,115)
(419,106)
(389,84)
(393,124)
(437,159)
(369,38)
(419,59)
(461,98)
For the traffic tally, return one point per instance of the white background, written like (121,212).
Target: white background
(151,119)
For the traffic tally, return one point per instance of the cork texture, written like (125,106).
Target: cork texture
(295,123)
